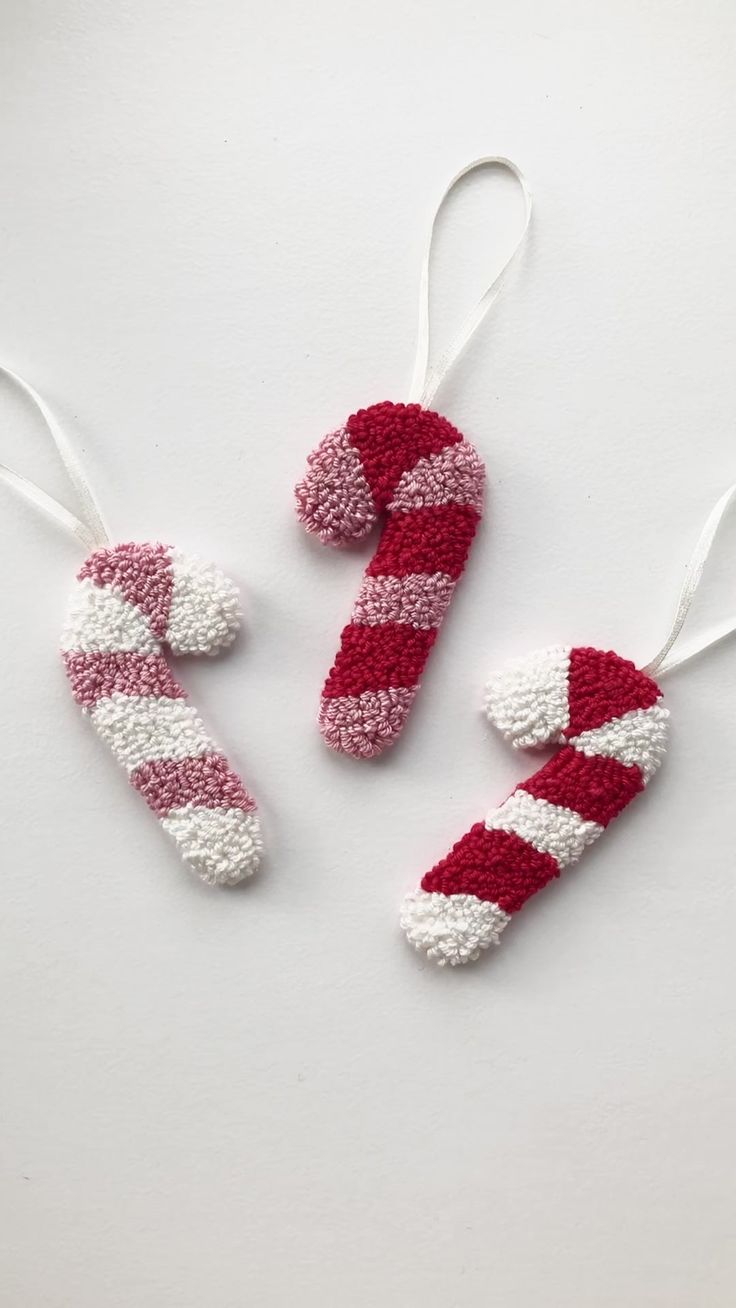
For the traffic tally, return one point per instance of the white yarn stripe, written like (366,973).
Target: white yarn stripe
(527,699)
(549,828)
(141,728)
(204,613)
(221,845)
(100,620)
(638,737)
(420,599)
(451,929)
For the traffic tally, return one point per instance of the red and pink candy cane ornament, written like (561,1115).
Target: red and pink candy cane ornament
(607,718)
(408,463)
(131,604)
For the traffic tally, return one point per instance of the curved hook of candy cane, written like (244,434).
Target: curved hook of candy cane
(91,530)
(129,601)
(425,380)
(611,730)
(661,663)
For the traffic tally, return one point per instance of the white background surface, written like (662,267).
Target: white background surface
(211,222)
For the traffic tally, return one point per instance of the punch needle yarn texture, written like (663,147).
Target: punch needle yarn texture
(130,602)
(408,464)
(611,729)
(133,604)
(414,466)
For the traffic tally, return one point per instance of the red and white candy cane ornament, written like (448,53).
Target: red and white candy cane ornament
(611,727)
(130,603)
(407,462)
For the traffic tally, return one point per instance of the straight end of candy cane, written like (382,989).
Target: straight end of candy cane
(364,725)
(222,846)
(451,929)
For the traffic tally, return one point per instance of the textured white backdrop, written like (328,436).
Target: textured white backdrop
(210,227)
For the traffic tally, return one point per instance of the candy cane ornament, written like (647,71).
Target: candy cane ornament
(407,462)
(132,602)
(607,718)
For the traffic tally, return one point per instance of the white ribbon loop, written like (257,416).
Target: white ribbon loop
(664,661)
(90,530)
(425,379)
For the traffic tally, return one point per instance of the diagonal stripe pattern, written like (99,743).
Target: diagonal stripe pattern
(611,731)
(129,602)
(412,465)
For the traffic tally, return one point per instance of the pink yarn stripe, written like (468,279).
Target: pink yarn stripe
(345,509)
(362,724)
(206,781)
(142,573)
(420,599)
(95,675)
(414,466)
(453,476)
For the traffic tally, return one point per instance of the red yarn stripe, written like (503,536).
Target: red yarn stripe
(497,866)
(207,781)
(597,788)
(391,444)
(434,539)
(603,686)
(94,676)
(378,657)
(391,438)
(142,573)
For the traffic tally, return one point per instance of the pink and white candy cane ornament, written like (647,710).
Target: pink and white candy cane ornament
(407,462)
(131,603)
(607,718)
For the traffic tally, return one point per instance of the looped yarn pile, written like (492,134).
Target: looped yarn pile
(611,730)
(414,466)
(129,602)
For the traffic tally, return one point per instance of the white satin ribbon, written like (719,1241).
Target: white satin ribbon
(425,379)
(664,661)
(90,530)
